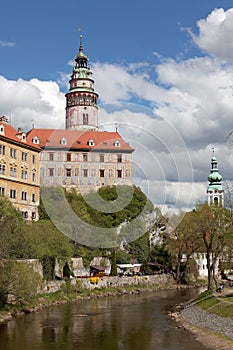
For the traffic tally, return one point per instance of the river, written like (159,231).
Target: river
(127,322)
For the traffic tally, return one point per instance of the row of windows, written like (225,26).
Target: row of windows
(13,194)
(13,172)
(84,157)
(13,153)
(25,215)
(86,172)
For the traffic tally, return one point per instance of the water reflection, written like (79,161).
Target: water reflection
(128,322)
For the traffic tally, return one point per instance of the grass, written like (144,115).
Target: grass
(221,306)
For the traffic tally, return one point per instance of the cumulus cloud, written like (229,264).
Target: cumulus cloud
(172,112)
(215,34)
(34,102)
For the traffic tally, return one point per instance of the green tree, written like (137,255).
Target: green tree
(214,226)
(13,231)
(183,243)
(113,263)
(18,279)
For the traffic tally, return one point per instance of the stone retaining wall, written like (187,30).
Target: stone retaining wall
(111,281)
(104,282)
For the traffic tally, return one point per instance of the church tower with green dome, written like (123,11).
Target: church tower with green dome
(215,191)
(81,100)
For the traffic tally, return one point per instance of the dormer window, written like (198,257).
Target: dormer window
(23,137)
(63,141)
(91,142)
(2,129)
(36,140)
(117,143)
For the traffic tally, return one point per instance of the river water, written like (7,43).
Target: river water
(127,322)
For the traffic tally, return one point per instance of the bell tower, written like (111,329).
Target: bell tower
(215,190)
(81,100)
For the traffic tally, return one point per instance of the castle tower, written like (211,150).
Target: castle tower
(81,100)
(215,190)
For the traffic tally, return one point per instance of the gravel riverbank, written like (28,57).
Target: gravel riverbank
(202,318)
(212,331)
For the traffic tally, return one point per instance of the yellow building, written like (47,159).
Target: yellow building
(19,170)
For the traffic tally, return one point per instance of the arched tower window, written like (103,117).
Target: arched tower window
(85,119)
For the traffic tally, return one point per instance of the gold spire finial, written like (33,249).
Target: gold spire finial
(81,41)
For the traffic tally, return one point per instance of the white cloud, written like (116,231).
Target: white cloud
(172,122)
(215,34)
(6,43)
(32,102)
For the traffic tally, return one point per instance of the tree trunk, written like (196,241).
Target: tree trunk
(178,273)
(210,272)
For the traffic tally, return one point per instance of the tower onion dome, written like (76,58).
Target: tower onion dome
(214,177)
(81,58)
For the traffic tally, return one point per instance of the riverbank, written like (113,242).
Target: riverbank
(212,330)
(68,293)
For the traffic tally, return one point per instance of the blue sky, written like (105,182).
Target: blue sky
(167,65)
(44,33)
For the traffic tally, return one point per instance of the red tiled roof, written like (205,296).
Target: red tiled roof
(77,139)
(11,134)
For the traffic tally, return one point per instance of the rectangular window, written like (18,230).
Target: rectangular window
(2,191)
(13,194)
(33,158)
(101,158)
(2,150)
(24,156)
(119,173)
(68,157)
(51,171)
(101,173)
(33,177)
(119,158)
(51,156)
(33,197)
(25,214)
(24,196)
(33,215)
(12,153)
(68,172)
(85,119)
(3,169)
(85,172)
(85,157)
(12,171)
(24,174)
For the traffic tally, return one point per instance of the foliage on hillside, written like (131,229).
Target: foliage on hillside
(110,206)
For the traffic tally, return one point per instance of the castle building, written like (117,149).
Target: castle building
(215,192)
(19,170)
(81,156)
